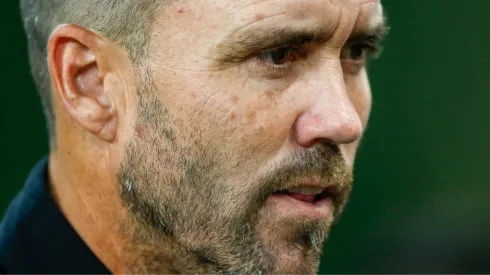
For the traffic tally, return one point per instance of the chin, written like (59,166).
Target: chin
(295,246)
(288,264)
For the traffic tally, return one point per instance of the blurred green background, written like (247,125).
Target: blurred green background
(420,202)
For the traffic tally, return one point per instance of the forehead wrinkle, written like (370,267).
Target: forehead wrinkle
(370,20)
(297,11)
(294,9)
(254,20)
(345,23)
(252,3)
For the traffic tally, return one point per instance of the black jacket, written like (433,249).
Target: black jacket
(35,237)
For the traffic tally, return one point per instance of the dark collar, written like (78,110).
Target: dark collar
(35,237)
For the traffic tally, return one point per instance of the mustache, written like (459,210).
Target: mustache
(322,163)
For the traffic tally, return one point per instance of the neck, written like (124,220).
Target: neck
(91,203)
(88,201)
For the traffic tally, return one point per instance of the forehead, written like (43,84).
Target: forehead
(295,8)
(369,12)
(370,15)
(212,17)
(197,30)
(320,5)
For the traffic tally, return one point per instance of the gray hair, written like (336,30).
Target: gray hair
(126,22)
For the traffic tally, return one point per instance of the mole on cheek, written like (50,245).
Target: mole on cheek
(233,116)
(251,117)
(269,93)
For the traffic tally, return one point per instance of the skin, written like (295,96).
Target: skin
(170,166)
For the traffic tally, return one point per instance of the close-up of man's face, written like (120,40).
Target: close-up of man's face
(229,137)
(243,135)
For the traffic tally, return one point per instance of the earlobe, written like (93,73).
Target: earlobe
(75,66)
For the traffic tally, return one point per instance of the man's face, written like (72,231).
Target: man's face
(238,103)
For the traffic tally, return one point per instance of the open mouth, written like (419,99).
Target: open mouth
(303,201)
(308,194)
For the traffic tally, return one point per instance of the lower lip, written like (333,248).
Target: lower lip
(289,206)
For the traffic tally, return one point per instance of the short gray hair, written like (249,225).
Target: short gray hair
(126,22)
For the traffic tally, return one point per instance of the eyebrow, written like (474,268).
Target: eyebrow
(374,35)
(237,46)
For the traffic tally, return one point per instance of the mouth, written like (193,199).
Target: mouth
(307,193)
(304,201)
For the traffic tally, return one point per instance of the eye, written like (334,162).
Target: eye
(278,62)
(354,57)
(356,52)
(280,56)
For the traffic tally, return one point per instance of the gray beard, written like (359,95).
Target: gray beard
(184,218)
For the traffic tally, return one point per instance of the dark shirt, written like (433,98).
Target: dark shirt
(35,237)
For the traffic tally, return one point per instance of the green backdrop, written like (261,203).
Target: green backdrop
(422,176)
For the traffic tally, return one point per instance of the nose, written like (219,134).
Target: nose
(331,115)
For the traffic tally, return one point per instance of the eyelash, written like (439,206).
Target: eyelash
(298,52)
(278,70)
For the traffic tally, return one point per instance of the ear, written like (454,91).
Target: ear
(78,70)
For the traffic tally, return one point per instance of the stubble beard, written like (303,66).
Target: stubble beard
(184,216)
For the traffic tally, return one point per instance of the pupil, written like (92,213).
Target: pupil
(279,56)
(356,52)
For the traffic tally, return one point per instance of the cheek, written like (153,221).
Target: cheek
(247,124)
(252,127)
